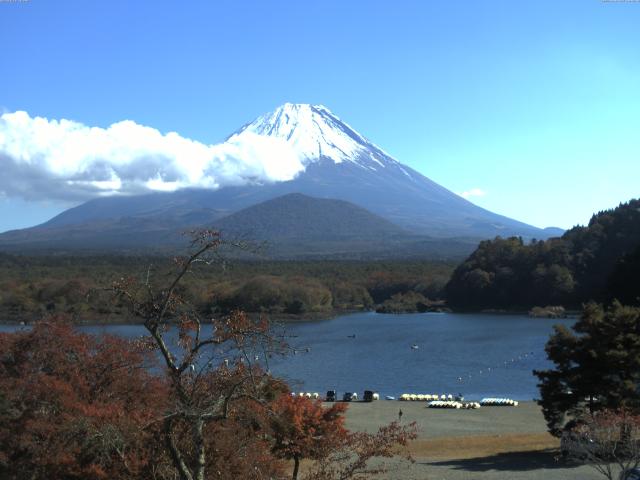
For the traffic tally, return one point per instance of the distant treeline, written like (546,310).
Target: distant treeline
(34,286)
(598,262)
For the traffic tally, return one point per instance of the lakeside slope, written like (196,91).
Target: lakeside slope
(491,443)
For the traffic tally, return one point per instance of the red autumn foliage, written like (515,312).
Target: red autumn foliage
(76,406)
(303,428)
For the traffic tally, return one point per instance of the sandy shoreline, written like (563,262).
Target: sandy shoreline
(492,443)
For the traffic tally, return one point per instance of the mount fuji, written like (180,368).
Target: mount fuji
(334,162)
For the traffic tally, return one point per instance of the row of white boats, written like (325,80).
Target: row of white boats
(456,401)
(314,395)
(435,401)
(420,397)
(453,404)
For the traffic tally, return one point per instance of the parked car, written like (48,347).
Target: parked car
(348,396)
(331,396)
(368,396)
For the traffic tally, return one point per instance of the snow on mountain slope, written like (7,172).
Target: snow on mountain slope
(333,162)
(314,132)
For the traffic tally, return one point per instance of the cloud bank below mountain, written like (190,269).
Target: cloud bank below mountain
(70,161)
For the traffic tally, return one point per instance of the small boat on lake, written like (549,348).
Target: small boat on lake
(414,347)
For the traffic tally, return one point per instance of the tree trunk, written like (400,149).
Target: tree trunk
(198,440)
(176,455)
(296,466)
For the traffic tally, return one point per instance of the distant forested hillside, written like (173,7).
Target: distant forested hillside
(598,262)
(33,287)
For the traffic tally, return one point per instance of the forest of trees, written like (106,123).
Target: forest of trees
(598,262)
(33,286)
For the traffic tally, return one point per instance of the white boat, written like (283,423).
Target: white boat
(414,347)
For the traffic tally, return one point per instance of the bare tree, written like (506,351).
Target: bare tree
(608,440)
(211,365)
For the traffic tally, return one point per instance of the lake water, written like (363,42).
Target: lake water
(474,354)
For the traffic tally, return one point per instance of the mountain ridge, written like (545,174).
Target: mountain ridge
(339,163)
(293,226)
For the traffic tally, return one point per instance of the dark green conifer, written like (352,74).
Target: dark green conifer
(597,365)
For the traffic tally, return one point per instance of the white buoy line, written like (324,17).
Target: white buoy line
(493,368)
(498,402)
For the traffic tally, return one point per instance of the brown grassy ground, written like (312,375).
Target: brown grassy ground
(492,443)
(447,448)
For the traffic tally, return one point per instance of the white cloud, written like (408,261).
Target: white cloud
(474,192)
(66,160)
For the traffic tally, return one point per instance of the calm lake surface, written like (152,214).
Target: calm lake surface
(474,354)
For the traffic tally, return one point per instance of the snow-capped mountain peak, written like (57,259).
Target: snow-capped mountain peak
(315,133)
(296,149)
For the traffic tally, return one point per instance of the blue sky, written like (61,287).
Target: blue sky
(534,105)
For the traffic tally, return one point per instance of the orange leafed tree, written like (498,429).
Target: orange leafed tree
(303,428)
(76,406)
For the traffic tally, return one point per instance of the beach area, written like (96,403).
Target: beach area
(490,443)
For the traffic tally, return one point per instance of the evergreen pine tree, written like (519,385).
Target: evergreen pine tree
(596,367)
